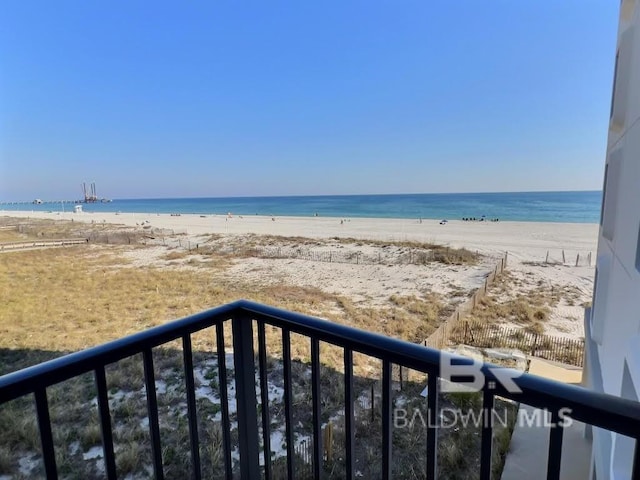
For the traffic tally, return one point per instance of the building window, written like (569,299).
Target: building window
(626,9)
(592,320)
(621,78)
(604,193)
(638,252)
(595,285)
(615,79)
(601,288)
(610,197)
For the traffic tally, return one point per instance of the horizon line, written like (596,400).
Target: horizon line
(318,195)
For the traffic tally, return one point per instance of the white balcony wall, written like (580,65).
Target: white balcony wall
(615,317)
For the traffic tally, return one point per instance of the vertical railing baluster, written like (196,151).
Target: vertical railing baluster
(46,437)
(349,417)
(105,423)
(636,461)
(245,376)
(486,446)
(264,396)
(191,405)
(432,426)
(387,430)
(288,399)
(224,401)
(152,410)
(555,447)
(315,395)
(310,456)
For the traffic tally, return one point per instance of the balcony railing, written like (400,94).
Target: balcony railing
(254,424)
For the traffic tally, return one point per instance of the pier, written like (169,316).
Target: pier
(90,196)
(44,202)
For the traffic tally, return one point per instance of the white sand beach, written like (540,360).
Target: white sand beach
(527,241)
(535,252)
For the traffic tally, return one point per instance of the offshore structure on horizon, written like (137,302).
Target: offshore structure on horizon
(89,196)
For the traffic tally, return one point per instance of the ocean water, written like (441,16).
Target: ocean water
(572,207)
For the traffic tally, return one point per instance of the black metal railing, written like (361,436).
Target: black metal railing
(254,424)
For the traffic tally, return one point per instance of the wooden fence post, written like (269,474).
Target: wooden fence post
(563,259)
(577,260)
(547,259)
(328,441)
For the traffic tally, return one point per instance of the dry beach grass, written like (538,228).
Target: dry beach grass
(61,300)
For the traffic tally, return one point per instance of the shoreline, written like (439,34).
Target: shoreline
(488,219)
(526,240)
(563,207)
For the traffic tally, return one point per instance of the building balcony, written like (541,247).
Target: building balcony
(280,412)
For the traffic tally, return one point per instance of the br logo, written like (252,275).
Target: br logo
(465,375)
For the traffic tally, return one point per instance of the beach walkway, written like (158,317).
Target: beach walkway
(529,445)
(39,244)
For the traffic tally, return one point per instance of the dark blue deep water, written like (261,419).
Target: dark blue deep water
(575,207)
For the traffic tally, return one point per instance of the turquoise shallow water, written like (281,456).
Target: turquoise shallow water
(573,207)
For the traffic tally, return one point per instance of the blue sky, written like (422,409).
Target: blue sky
(226,98)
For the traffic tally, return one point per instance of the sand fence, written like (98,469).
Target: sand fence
(483,335)
(565,257)
(440,338)
(457,330)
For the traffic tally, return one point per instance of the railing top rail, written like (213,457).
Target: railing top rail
(22,382)
(613,413)
(608,411)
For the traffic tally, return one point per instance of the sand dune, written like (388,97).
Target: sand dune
(529,246)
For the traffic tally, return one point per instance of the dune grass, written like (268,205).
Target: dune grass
(63,300)
(69,299)
(10,235)
(529,308)
(408,251)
